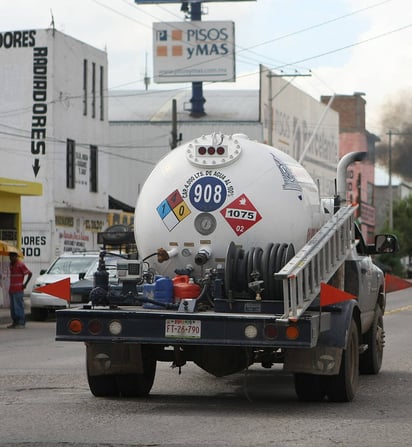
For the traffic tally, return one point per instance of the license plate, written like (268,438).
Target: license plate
(183,328)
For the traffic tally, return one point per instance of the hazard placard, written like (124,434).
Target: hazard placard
(173,210)
(241,214)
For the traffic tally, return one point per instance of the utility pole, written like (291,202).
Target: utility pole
(390,219)
(175,139)
(197,99)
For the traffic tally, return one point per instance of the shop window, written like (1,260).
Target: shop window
(8,224)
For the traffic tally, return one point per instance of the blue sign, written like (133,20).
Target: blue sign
(207,194)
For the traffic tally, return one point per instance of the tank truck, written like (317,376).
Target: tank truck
(240,261)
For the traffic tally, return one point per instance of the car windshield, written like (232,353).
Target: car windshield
(71,265)
(111,267)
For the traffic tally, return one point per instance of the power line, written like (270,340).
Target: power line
(336,50)
(248,49)
(17,111)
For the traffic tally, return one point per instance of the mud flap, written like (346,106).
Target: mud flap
(322,360)
(113,358)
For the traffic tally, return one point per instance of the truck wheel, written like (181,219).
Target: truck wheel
(370,361)
(309,387)
(342,387)
(138,385)
(102,386)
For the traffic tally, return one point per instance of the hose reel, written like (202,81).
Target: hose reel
(256,265)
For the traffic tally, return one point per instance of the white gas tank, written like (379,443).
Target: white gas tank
(217,189)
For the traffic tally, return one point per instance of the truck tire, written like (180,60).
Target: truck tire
(310,387)
(102,386)
(138,385)
(370,361)
(342,387)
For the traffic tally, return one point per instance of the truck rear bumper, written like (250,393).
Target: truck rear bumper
(135,325)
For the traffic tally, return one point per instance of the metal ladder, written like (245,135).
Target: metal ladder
(316,262)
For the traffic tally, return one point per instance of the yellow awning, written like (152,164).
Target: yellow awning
(20,187)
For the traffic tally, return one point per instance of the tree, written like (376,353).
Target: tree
(402,228)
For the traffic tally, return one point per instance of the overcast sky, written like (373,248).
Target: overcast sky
(346,45)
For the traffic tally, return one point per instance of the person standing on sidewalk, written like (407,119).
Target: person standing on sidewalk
(18,271)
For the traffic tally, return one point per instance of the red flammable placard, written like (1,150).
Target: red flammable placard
(241,214)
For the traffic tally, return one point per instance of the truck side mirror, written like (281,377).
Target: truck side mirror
(386,243)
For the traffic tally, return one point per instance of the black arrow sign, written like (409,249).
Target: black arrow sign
(36,166)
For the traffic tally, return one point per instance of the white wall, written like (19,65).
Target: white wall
(296,118)
(41,87)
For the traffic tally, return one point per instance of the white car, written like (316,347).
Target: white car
(73,265)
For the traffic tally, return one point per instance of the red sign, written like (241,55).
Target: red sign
(241,214)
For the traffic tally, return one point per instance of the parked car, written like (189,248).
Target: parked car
(78,266)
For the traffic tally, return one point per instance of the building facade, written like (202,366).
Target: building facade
(353,137)
(53,123)
(11,192)
(301,126)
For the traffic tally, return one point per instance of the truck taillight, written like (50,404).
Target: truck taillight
(75,326)
(95,327)
(292,332)
(271,331)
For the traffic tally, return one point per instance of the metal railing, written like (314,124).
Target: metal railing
(316,262)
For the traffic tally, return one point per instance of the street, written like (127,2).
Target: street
(45,400)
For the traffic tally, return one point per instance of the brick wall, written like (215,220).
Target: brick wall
(353,137)
(351,109)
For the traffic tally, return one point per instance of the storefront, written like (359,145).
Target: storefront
(11,192)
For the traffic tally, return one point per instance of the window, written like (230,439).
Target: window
(70,163)
(93,168)
(85,87)
(93,90)
(101,93)
(370,190)
(8,224)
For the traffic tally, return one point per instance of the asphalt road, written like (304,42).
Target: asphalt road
(45,400)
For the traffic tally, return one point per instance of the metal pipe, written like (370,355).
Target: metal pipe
(343,164)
